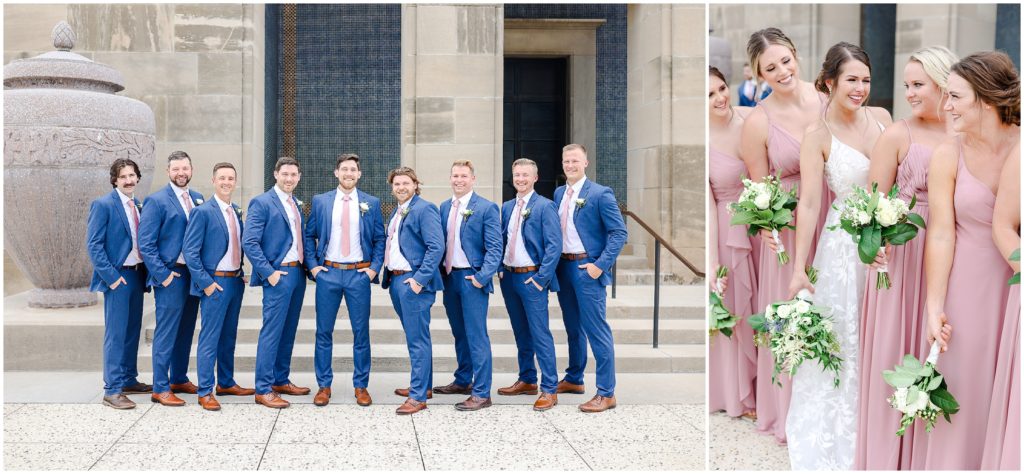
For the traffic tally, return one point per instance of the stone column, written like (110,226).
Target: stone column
(665,129)
(452,68)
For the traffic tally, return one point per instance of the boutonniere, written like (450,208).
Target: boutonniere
(299,202)
(580,203)
(466,213)
(525,213)
(364,207)
(238,211)
(405,211)
(198,201)
(138,203)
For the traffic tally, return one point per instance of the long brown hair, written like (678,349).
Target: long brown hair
(994,80)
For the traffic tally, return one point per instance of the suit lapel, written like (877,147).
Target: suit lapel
(221,224)
(280,207)
(583,195)
(116,196)
(469,207)
(174,200)
(364,224)
(327,217)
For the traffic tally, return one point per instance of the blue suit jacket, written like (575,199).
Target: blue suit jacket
(480,235)
(599,224)
(542,236)
(372,237)
(421,242)
(162,232)
(267,236)
(108,240)
(206,242)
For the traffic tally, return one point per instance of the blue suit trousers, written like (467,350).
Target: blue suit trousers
(176,312)
(122,319)
(414,313)
(466,307)
(528,310)
(218,334)
(282,305)
(583,301)
(333,285)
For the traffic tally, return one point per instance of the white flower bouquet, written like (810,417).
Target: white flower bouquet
(721,319)
(875,220)
(765,205)
(796,331)
(921,391)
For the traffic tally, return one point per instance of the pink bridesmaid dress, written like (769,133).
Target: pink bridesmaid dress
(1002,439)
(892,325)
(975,306)
(773,280)
(732,360)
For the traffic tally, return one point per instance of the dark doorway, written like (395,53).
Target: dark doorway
(878,38)
(535,120)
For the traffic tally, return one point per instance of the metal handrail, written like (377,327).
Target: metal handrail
(659,241)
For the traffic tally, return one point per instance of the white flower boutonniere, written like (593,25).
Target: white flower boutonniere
(364,207)
(466,213)
(405,212)
(525,213)
(199,202)
(238,211)
(580,203)
(299,202)
(138,203)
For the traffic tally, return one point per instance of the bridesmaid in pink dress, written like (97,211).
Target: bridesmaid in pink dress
(770,144)
(1002,440)
(732,360)
(891,323)
(966,274)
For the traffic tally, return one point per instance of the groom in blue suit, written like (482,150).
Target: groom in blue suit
(593,234)
(412,256)
(161,235)
(530,229)
(273,241)
(112,242)
(213,252)
(345,250)
(472,256)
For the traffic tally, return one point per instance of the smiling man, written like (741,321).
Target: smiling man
(112,242)
(161,236)
(273,241)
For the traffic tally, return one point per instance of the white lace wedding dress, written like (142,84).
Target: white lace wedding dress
(821,427)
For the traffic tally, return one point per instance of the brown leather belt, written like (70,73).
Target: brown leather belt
(521,269)
(347,266)
(574,256)
(234,274)
(137,266)
(455,269)
(290,264)
(180,264)
(399,272)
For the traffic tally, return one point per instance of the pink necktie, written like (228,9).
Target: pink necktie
(450,254)
(346,243)
(515,231)
(188,203)
(233,246)
(295,224)
(135,218)
(391,231)
(565,207)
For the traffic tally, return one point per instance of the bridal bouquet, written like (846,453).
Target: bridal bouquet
(874,220)
(1015,279)
(765,205)
(722,320)
(920,391)
(797,331)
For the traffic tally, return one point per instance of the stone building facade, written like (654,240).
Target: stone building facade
(415,85)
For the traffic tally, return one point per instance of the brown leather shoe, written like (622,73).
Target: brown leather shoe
(473,403)
(545,401)
(323,397)
(411,406)
(272,400)
(209,403)
(187,387)
(118,401)
(454,389)
(566,387)
(404,392)
(137,388)
(363,397)
(519,388)
(237,390)
(598,404)
(167,399)
(290,389)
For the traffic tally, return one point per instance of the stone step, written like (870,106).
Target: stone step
(629,358)
(389,331)
(645,277)
(632,262)
(254,310)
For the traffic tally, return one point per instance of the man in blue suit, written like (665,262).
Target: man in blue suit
(345,250)
(532,243)
(161,235)
(412,255)
(213,252)
(273,241)
(472,256)
(112,242)
(593,234)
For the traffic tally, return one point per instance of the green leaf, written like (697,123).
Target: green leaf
(1014,280)
(722,271)
(910,361)
(782,217)
(934,383)
(726,331)
(898,379)
(1015,255)
(757,321)
(870,242)
(945,401)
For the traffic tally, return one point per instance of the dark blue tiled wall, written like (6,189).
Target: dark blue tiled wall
(1008,31)
(611,81)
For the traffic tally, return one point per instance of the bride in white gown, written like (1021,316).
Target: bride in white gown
(821,427)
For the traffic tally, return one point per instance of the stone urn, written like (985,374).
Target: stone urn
(64,126)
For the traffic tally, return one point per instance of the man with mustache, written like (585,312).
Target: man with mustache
(161,235)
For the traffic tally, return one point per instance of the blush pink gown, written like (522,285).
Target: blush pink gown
(1002,440)
(732,360)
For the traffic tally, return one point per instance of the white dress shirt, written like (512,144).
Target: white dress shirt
(522,256)
(396,261)
(181,202)
(459,259)
(227,212)
(571,242)
(293,251)
(334,244)
(127,204)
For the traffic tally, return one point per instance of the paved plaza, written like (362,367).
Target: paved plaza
(735,445)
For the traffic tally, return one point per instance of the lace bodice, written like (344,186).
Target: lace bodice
(846,167)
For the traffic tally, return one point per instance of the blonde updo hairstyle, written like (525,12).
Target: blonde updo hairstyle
(994,80)
(761,40)
(838,55)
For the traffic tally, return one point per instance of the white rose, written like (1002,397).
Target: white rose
(920,404)
(888,216)
(802,307)
(863,218)
(899,399)
(784,311)
(762,201)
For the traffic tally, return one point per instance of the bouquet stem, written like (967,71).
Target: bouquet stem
(883,282)
(780,249)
